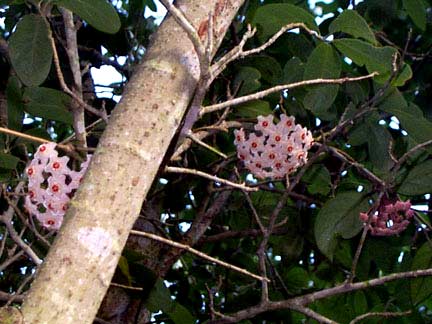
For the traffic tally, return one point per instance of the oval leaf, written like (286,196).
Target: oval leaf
(376,59)
(418,181)
(8,161)
(47,103)
(339,217)
(30,50)
(417,11)
(421,288)
(322,63)
(418,128)
(350,22)
(273,17)
(98,13)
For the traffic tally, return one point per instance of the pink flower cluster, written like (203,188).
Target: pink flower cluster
(274,150)
(391,219)
(51,185)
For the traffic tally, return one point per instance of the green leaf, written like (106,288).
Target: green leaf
(410,117)
(30,50)
(296,279)
(339,217)
(293,70)
(150,3)
(350,22)
(272,17)
(160,299)
(358,302)
(421,288)
(253,108)
(318,179)
(379,139)
(47,103)
(124,268)
(98,13)
(247,80)
(376,59)
(14,103)
(270,69)
(322,63)
(418,181)
(8,161)
(417,11)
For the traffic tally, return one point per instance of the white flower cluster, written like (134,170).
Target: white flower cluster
(51,185)
(274,150)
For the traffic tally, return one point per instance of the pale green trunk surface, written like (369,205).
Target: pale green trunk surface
(78,269)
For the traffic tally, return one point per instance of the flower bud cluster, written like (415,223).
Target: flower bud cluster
(274,150)
(51,185)
(391,219)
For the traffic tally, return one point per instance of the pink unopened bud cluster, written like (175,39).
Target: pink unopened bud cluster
(274,150)
(51,185)
(391,219)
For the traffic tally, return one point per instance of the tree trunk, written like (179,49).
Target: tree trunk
(76,274)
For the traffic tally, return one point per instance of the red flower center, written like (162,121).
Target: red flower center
(64,207)
(55,188)
(42,148)
(56,165)
(254,145)
(50,222)
(303,136)
(265,123)
(50,206)
(258,165)
(278,165)
(277,138)
(300,156)
(242,157)
(290,148)
(238,138)
(30,171)
(31,194)
(289,123)
(272,156)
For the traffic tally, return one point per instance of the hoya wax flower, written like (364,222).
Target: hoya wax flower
(51,185)
(273,150)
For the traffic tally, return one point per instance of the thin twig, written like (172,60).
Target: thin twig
(67,148)
(126,287)
(197,253)
(210,177)
(237,52)
(20,289)
(263,93)
(6,219)
(362,241)
(203,144)
(201,134)
(18,298)
(102,114)
(312,314)
(74,64)
(343,156)
(405,157)
(379,314)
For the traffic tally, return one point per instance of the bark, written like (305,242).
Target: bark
(76,274)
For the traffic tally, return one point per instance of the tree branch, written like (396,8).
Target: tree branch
(210,177)
(198,253)
(263,93)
